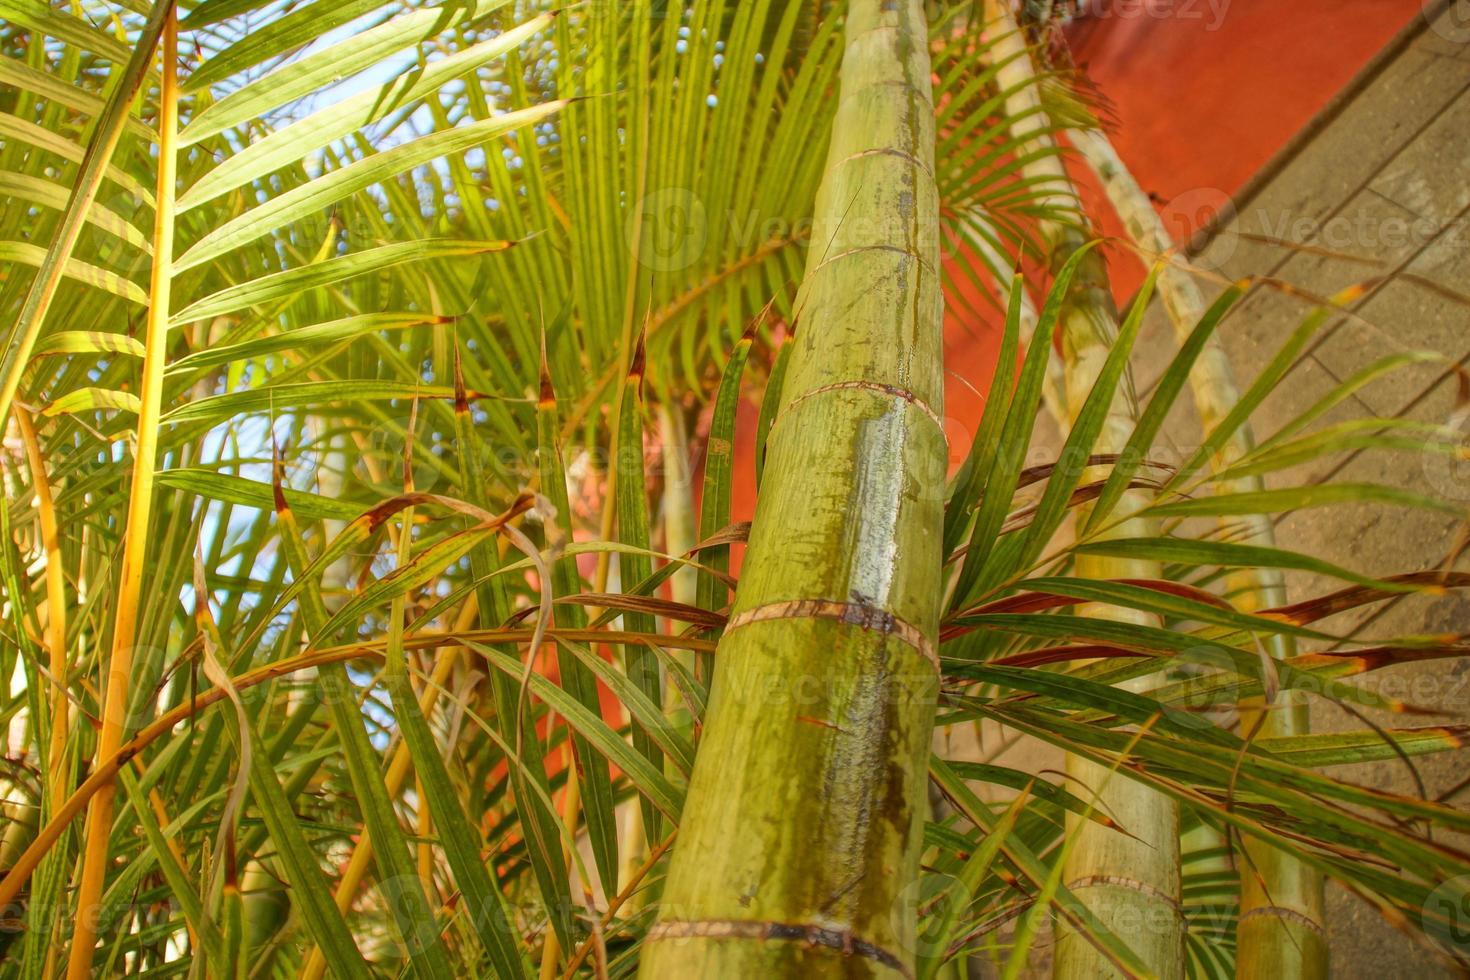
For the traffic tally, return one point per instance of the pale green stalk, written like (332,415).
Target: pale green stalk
(1281,903)
(1054,386)
(800,836)
(58,766)
(55,611)
(1130,881)
(680,532)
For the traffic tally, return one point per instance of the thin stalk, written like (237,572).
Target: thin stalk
(1133,878)
(679,537)
(586,771)
(140,509)
(1281,906)
(1212,381)
(802,827)
(55,610)
(423,826)
(625,895)
(1003,268)
(640,664)
(58,771)
(571,806)
(680,526)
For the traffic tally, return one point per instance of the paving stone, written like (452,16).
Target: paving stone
(1400,320)
(1431,177)
(1449,35)
(1255,330)
(1381,184)
(1380,175)
(1408,95)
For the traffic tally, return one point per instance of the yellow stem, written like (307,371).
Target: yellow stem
(571,806)
(425,830)
(55,633)
(140,507)
(55,608)
(160,813)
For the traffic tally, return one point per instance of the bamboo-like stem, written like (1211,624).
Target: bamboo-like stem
(140,508)
(802,825)
(1281,906)
(1131,881)
(1212,381)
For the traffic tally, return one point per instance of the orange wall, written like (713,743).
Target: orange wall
(1198,94)
(1198,100)
(1201,102)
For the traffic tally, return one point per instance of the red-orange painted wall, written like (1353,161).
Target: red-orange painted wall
(1200,98)
(1202,102)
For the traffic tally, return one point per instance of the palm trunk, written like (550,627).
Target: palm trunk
(1130,882)
(803,822)
(1281,900)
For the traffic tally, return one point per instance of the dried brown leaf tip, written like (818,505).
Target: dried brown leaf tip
(461,397)
(548,391)
(524,501)
(638,362)
(278,467)
(753,328)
